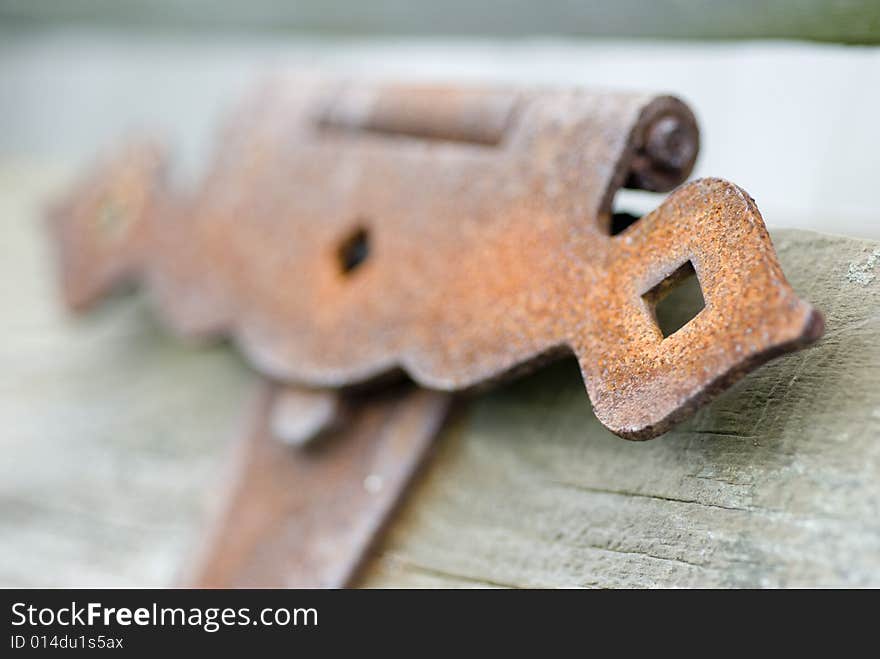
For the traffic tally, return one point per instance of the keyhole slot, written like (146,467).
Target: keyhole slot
(353,251)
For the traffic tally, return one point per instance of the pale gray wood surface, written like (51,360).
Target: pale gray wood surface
(111,432)
(777,483)
(113,437)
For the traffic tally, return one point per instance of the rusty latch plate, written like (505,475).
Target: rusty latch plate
(347,231)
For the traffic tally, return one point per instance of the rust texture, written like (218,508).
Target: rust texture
(307,518)
(345,231)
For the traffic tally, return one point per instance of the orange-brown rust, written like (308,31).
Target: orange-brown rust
(349,230)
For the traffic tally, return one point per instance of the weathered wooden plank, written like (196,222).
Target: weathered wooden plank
(777,483)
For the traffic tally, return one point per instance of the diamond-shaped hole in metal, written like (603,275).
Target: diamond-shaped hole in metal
(676,300)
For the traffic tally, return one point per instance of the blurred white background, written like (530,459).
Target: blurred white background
(795,124)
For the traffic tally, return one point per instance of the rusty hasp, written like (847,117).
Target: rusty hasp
(346,231)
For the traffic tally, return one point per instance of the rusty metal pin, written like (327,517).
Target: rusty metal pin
(665,153)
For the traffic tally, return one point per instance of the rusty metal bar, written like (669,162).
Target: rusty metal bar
(306,518)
